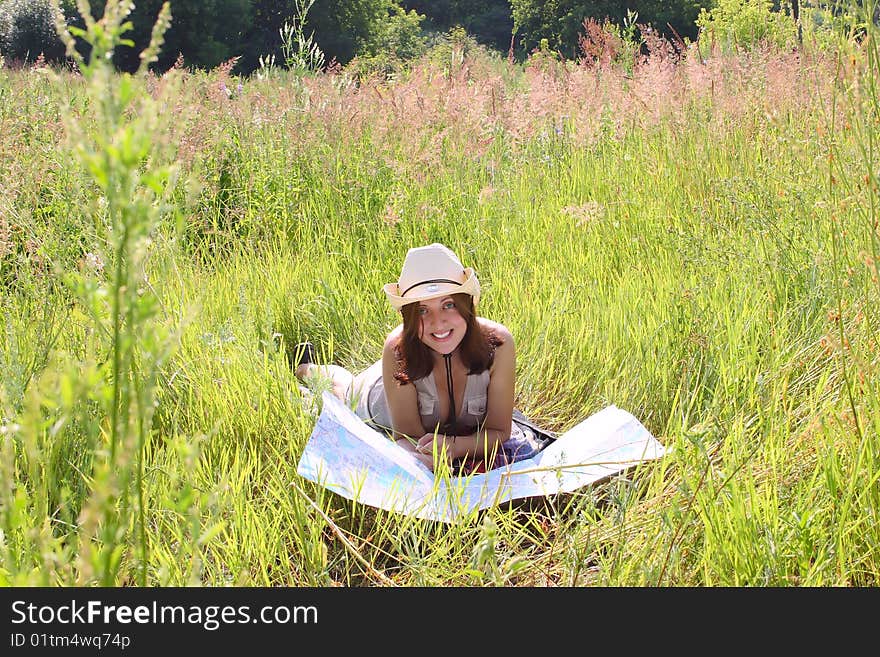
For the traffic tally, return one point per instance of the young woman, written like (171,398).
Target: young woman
(445,384)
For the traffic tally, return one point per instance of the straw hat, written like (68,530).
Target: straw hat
(429,272)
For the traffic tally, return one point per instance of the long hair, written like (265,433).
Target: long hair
(414,359)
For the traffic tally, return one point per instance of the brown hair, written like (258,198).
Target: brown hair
(414,360)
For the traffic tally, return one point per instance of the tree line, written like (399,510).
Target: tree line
(206,33)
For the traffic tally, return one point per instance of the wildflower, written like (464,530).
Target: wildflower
(93,262)
(9,427)
(585,213)
(560,128)
(391,217)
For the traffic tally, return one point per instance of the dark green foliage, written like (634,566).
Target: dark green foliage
(205,32)
(209,32)
(27,29)
(489,21)
(344,28)
(341,28)
(561,21)
(267,18)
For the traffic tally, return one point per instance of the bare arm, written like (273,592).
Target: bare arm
(403,401)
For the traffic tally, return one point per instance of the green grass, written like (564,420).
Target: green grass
(680,245)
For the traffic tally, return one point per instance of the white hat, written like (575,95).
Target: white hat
(429,272)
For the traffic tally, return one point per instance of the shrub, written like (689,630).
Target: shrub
(744,24)
(449,50)
(27,29)
(392,46)
(606,42)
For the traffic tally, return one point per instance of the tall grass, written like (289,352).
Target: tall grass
(694,241)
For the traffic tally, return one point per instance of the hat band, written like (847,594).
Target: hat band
(433,280)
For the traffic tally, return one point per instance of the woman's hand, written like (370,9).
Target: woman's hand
(426,459)
(424,448)
(441,442)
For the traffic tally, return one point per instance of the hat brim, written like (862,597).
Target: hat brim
(470,286)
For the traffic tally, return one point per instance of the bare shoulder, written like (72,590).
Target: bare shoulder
(392,339)
(498,329)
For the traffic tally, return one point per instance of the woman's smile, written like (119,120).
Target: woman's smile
(443,327)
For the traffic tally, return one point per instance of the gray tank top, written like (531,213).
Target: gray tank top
(372,406)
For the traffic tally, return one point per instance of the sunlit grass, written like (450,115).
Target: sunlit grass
(708,264)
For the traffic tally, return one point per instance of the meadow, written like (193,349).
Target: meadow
(693,239)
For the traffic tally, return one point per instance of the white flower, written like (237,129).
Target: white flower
(94,262)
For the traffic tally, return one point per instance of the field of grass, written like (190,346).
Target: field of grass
(694,241)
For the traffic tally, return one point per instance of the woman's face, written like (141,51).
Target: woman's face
(442,326)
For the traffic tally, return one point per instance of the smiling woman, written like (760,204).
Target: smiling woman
(468,418)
